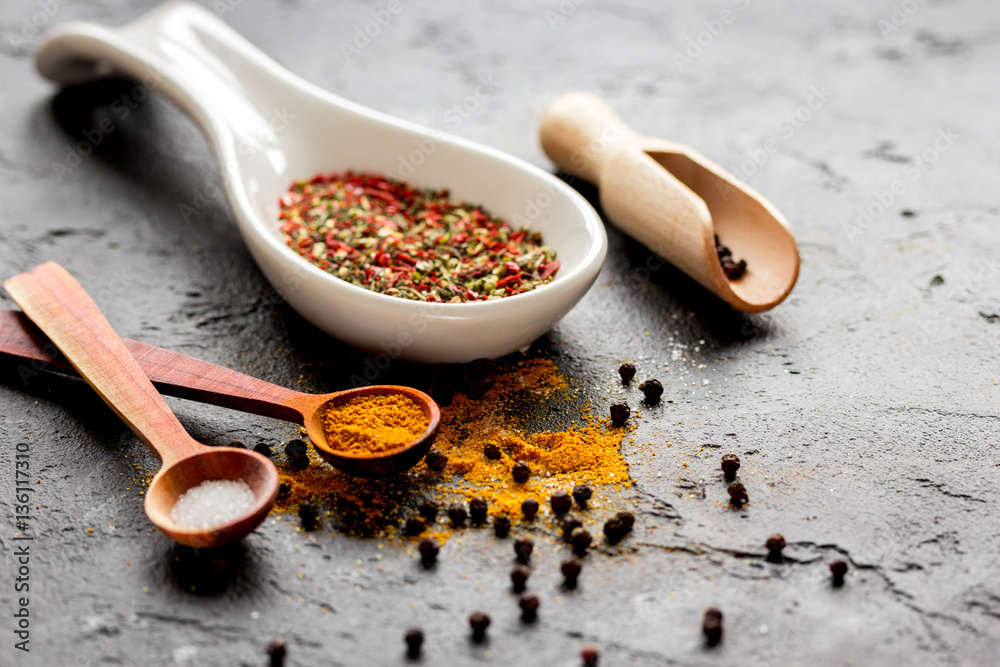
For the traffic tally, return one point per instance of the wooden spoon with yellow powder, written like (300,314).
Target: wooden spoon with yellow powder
(367,431)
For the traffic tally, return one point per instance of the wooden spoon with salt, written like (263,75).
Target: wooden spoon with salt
(176,374)
(675,200)
(61,308)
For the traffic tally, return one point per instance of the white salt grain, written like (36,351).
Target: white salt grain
(213,503)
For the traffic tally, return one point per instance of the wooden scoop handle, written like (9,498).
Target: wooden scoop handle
(61,308)
(172,373)
(577,132)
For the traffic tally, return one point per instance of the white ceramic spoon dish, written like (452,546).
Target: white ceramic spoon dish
(233,91)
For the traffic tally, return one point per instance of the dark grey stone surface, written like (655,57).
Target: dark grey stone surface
(865,408)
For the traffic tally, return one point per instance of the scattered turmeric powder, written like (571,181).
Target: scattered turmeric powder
(493,408)
(373,424)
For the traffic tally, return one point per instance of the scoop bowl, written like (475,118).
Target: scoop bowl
(382,463)
(216,463)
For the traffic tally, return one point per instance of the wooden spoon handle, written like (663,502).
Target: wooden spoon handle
(172,373)
(577,131)
(61,308)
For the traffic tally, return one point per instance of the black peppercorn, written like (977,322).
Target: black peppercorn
(479,621)
(733,270)
(529,604)
(523,546)
(838,569)
(501,525)
(774,545)
(443,394)
(652,390)
(616,528)
(560,502)
(521,472)
(263,448)
(519,578)
(457,515)
(236,444)
(429,511)
(477,511)
(581,494)
(730,267)
(570,568)
(738,494)
(569,523)
(619,413)
(614,532)
(277,649)
(492,452)
(436,460)
(627,371)
(414,639)
(413,526)
(284,490)
(429,548)
(529,508)
(590,655)
(581,540)
(298,454)
(711,626)
(730,464)
(720,249)
(308,515)
(627,519)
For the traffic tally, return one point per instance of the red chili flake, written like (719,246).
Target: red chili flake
(550,269)
(385,236)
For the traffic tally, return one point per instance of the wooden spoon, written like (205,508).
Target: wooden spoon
(179,375)
(675,200)
(61,308)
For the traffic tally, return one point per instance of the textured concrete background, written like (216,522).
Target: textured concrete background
(865,408)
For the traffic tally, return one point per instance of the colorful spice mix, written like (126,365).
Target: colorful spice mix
(373,424)
(391,238)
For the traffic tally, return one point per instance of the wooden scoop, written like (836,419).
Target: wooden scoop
(62,309)
(675,200)
(176,374)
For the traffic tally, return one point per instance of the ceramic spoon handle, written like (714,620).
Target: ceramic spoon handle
(187,53)
(172,373)
(61,308)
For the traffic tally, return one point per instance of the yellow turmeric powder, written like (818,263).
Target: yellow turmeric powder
(373,424)
(496,411)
